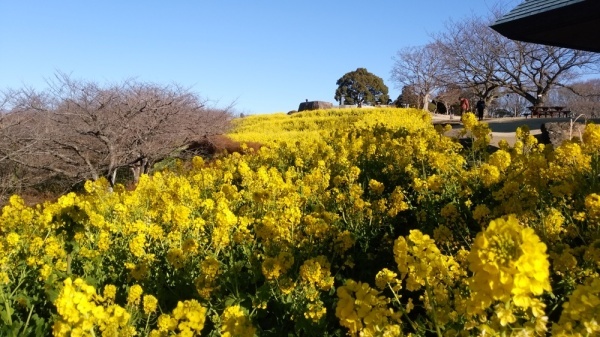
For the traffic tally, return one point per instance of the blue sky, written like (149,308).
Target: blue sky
(266,56)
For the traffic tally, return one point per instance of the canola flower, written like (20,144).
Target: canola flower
(236,323)
(508,261)
(510,271)
(580,316)
(360,222)
(82,312)
(364,311)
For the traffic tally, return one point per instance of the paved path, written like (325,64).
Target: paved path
(504,128)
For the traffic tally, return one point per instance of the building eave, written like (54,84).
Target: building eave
(564,23)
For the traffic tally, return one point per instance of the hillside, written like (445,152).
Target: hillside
(346,222)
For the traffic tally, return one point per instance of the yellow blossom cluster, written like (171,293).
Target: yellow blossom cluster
(286,240)
(364,311)
(510,266)
(275,267)
(187,319)
(507,261)
(82,312)
(235,323)
(316,273)
(581,314)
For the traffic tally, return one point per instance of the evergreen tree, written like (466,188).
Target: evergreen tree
(360,86)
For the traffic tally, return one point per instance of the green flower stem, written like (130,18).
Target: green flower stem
(7,306)
(412,324)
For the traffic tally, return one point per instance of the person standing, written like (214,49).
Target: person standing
(480,107)
(464,105)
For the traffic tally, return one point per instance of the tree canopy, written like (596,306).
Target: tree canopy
(421,68)
(80,130)
(470,59)
(409,97)
(360,86)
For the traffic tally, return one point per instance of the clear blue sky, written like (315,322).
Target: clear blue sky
(267,56)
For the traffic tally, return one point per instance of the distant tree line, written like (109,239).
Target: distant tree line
(78,130)
(470,59)
(582,97)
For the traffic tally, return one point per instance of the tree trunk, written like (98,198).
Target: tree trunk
(540,101)
(136,172)
(426,101)
(138,168)
(112,177)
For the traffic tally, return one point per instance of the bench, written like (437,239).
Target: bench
(549,110)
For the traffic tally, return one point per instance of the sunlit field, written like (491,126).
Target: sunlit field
(359,222)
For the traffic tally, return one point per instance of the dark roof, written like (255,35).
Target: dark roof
(564,23)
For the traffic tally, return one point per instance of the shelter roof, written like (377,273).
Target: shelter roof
(564,23)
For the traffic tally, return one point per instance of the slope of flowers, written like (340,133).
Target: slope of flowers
(379,225)
(308,126)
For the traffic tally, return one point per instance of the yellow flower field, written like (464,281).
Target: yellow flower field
(359,222)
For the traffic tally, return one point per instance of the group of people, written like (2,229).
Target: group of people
(466,106)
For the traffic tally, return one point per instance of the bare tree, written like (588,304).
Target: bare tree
(173,118)
(481,60)
(469,53)
(419,67)
(20,131)
(449,95)
(533,70)
(581,97)
(87,131)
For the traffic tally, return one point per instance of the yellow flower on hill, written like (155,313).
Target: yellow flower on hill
(508,262)
(592,205)
(274,267)
(554,224)
(235,323)
(150,304)
(591,136)
(191,316)
(385,277)
(81,312)
(501,159)
(134,294)
(176,257)
(481,213)
(12,239)
(376,187)
(580,315)
(363,310)
(110,292)
(317,272)
(137,245)
(489,174)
